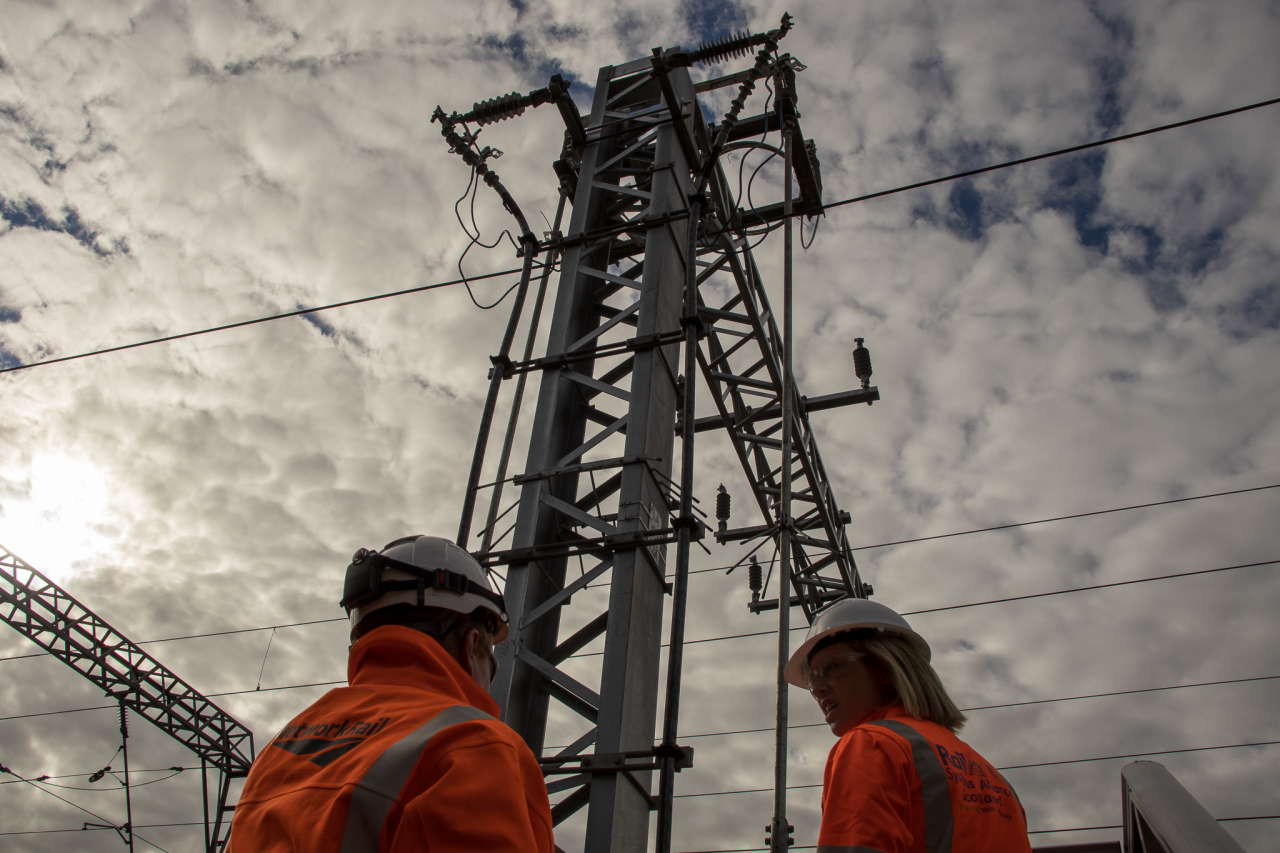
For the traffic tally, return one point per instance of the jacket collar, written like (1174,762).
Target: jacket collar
(400,656)
(884,712)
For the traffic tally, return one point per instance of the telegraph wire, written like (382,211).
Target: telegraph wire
(1008,767)
(242,323)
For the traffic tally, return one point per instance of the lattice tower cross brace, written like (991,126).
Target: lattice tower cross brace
(637,171)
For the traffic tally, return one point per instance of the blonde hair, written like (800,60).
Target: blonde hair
(912,678)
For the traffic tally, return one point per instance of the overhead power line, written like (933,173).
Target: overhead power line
(675,215)
(1008,767)
(683,214)
(1014,524)
(748,634)
(1029,832)
(1056,153)
(1019,704)
(1005,600)
(330,619)
(242,323)
(1065,517)
(47,780)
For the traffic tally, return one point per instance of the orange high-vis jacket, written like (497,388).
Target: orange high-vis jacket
(896,784)
(410,756)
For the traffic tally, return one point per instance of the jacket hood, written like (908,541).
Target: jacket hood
(400,656)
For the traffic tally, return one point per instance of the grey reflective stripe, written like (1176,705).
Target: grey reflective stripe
(938,827)
(377,791)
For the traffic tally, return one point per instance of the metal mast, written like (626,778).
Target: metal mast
(51,618)
(657,283)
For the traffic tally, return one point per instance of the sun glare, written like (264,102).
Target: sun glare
(57,528)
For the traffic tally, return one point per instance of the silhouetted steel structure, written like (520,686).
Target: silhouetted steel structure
(657,284)
(51,617)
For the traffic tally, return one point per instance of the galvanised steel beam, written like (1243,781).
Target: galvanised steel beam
(597,487)
(741,361)
(53,619)
(597,481)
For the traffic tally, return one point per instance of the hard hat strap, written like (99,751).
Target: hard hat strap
(375,564)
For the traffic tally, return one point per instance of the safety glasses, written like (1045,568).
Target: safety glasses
(829,671)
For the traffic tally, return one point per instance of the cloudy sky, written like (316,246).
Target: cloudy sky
(1089,332)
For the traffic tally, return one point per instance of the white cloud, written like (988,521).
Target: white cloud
(226,162)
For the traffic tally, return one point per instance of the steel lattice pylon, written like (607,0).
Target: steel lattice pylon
(53,619)
(657,283)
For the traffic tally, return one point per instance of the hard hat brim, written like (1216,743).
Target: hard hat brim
(797,669)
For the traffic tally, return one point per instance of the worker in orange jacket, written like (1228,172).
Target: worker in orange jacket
(898,780)
(409,756)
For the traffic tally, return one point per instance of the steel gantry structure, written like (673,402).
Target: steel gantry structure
(657,287)
(48,615)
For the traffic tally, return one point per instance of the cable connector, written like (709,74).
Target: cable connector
(789,838)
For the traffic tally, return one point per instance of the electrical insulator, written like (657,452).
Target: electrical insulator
(722,507)
(499,108)
(725,48)
(862,362)
(755,578)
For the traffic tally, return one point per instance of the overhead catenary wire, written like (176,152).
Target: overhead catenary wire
(110,824)
(45,779)
(100,828)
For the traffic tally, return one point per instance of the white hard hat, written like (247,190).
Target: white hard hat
(848,614)
(423,570)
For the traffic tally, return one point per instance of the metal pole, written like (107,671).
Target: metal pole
(496,375)
(486,535)
(675,656)
(204,801)
(780,836)
(124,748)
